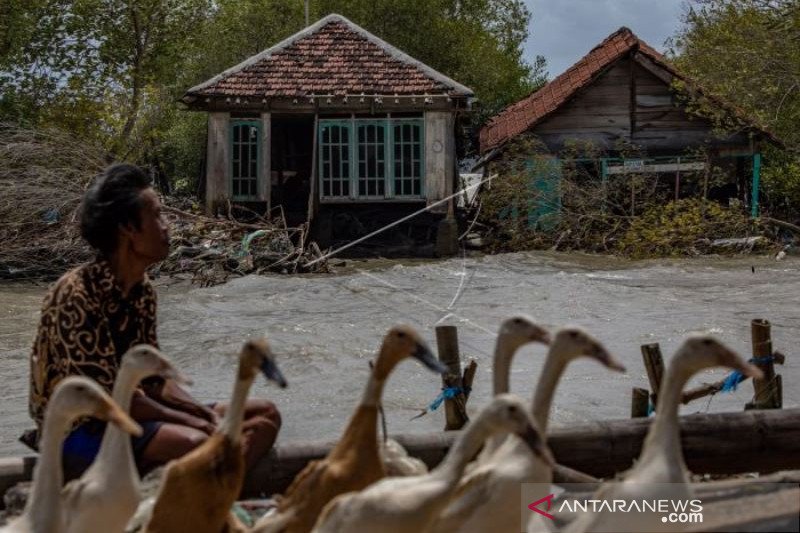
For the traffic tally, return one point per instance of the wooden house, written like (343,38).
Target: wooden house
(624,93)
(331,119)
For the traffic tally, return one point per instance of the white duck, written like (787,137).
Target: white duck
(411,504)
(73,398)
(514,333)
(660,472)
(107,494)
(488,496)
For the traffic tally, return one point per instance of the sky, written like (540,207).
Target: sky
(563,31)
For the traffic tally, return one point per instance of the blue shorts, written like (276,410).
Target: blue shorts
(83,444)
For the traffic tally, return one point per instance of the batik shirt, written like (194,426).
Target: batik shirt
(85,328)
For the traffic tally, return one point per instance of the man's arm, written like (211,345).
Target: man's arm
(144,408)
(171,395)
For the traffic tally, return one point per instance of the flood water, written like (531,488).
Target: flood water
(325,329)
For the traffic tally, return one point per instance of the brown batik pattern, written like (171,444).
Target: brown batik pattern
(85,327)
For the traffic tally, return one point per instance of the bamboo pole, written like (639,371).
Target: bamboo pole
(766,390)
(447,344)
(654,364)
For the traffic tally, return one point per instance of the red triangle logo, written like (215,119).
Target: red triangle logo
(534,506)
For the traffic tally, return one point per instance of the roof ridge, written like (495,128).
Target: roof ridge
(308,31)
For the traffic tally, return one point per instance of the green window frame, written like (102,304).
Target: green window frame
(335,158)
(408,158)
(371,159)
(245,142)
(371,147)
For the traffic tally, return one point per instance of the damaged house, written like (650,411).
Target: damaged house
(332,125)
(627,102)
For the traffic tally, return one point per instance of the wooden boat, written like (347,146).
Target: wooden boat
(722,443)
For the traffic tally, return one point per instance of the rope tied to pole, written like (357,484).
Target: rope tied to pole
(736,377)
(448,393)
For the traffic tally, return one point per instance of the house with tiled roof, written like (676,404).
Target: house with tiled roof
(624,93)
(332,118)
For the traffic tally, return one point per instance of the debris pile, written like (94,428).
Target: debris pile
(43,176)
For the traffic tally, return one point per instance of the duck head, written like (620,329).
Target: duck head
(519,330)
(257,355)
(572,342)
(507,413)
(78,397)
(148,361)
(700,352)
(401,342)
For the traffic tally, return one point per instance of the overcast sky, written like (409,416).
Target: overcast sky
(563,31)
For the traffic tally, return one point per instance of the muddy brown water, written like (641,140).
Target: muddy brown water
(326,328)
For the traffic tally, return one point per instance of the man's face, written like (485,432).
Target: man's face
(151,240)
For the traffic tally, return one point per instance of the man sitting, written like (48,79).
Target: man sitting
(96,312)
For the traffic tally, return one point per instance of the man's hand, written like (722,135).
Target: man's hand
(198,423)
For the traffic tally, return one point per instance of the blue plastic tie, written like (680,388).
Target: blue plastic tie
(650,408)
(736,377)
(447,394)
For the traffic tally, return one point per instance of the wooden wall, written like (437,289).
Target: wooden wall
(218,159)
(631,104)
(439,157)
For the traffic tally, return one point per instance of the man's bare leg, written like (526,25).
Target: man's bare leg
(171,441)
(262,422)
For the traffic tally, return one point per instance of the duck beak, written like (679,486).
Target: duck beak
(607,360)
(112,412)
(544,337)
(533,439)
(424,356)
(273,373)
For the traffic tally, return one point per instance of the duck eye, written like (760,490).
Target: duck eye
(573,334)
(401,335)
(707,342)
(518,321)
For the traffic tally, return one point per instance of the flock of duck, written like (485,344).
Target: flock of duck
(356,487)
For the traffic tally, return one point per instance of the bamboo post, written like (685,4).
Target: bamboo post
(640,402)
(766,390)
(654,364)
(447,345)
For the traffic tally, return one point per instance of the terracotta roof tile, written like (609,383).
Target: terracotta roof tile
(550,97)
(333,56)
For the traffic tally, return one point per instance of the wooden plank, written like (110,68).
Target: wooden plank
(654,365)
(219,162)
(712,443)
(722,443)
(640,403)
(774,511)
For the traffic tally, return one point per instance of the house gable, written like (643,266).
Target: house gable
(333,57)
(620,89)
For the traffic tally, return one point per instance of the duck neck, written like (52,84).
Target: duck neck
(464,449)
(501,365)
(44,504)
(231,425)
(373,392)
(116,444)
(664,434)
(554,366)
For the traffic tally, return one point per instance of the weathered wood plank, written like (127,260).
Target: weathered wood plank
(724,443)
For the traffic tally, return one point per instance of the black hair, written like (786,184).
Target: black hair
(113,201)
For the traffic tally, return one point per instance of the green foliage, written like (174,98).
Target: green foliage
(680,228)
(747,52)
(112,70)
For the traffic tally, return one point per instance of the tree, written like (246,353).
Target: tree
(747,51)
